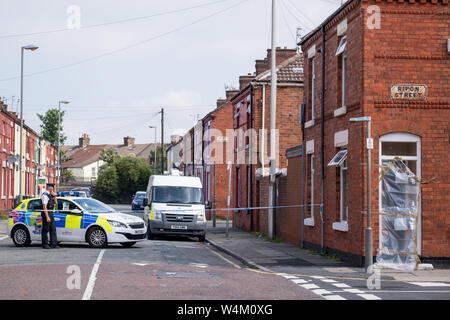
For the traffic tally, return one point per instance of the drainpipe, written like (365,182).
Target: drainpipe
(251,157)
(302,232)
(322,138)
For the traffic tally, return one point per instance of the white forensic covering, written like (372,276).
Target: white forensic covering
(400,192)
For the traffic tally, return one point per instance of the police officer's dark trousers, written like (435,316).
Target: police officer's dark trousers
(49,227)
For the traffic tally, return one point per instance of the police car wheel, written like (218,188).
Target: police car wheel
(97,238)
(21,237)
(128,244)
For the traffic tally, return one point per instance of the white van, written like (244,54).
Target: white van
(175,206)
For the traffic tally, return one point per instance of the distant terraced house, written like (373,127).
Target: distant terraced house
(84,158)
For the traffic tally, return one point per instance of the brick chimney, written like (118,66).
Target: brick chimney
(220,102)
(231,93)
(245,80)
(128,141)
(84,140)
(261,66)
(282,55)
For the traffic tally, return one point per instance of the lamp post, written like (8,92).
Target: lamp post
(154,147)
(369,147)
(31,48)
(59,136)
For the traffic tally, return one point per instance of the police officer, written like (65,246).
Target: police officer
(49,202)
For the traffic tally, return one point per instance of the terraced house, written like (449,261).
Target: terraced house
(390,61)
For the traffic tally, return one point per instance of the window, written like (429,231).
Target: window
(341,53)
(93,172)
(312,77)
(64,206)
(340,162)
(34,205)
(310,191)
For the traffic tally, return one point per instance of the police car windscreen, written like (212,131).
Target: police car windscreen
(170,194)
(94,206)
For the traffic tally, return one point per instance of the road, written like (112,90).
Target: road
(176,268)
(167,268)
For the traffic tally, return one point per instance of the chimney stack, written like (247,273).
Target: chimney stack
(231,93)
(282,55)
(220,102)
(245,80)
(261,66)
(84,140)
(128,141)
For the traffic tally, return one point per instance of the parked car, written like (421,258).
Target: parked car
(176,206)
(137,202)
(77,220)
(84,189)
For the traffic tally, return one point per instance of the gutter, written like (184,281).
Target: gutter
(322,138)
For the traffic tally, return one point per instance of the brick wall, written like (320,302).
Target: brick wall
(410,48)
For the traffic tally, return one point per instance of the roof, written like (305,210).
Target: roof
(81,157)
(177,181)
(290,70)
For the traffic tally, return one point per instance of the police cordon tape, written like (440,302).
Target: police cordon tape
(246,208)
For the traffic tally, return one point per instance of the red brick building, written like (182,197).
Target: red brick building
(388,60)
(251,113)
(215,174)
(7,141)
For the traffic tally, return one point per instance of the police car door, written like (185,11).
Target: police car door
(70,230)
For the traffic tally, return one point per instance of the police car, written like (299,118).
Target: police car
(77,220)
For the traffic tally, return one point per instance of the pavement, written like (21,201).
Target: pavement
(286,258)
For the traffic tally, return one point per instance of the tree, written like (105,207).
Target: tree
(49,126)
(120,177)
(156,165)
(109,156)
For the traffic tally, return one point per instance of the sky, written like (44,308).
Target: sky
(128,59)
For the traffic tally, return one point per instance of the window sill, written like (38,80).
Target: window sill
(341,111)
(340,226)
(309,124)
(308,222)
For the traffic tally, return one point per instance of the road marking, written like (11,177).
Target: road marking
(334,297)
(225,259)
(90,286)
(353,291)
(369,296)
(3,238)
(299,281)
(328,280)
(341,285)
(317,277)
(430,284)
(289,277)
(140,264)
(321,292)
(309,286)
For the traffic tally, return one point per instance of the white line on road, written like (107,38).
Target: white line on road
(430,284)
(334,297)
(369,296)
(309,286)
(90,286)
(341,285)
(3,238)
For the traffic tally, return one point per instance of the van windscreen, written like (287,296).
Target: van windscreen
(171,194)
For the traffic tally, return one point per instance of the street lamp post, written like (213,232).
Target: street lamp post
(369,147)
(32,48)
(154,147)
(59,135)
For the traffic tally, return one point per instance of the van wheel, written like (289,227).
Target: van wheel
(96,238)
(201,238)
(150,235)
(128,244)
(21,236)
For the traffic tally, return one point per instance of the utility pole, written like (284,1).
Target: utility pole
(273,114)
(162,140)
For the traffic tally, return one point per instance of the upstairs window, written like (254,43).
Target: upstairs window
(341,53)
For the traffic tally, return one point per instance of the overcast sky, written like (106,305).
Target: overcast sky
(130,58)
